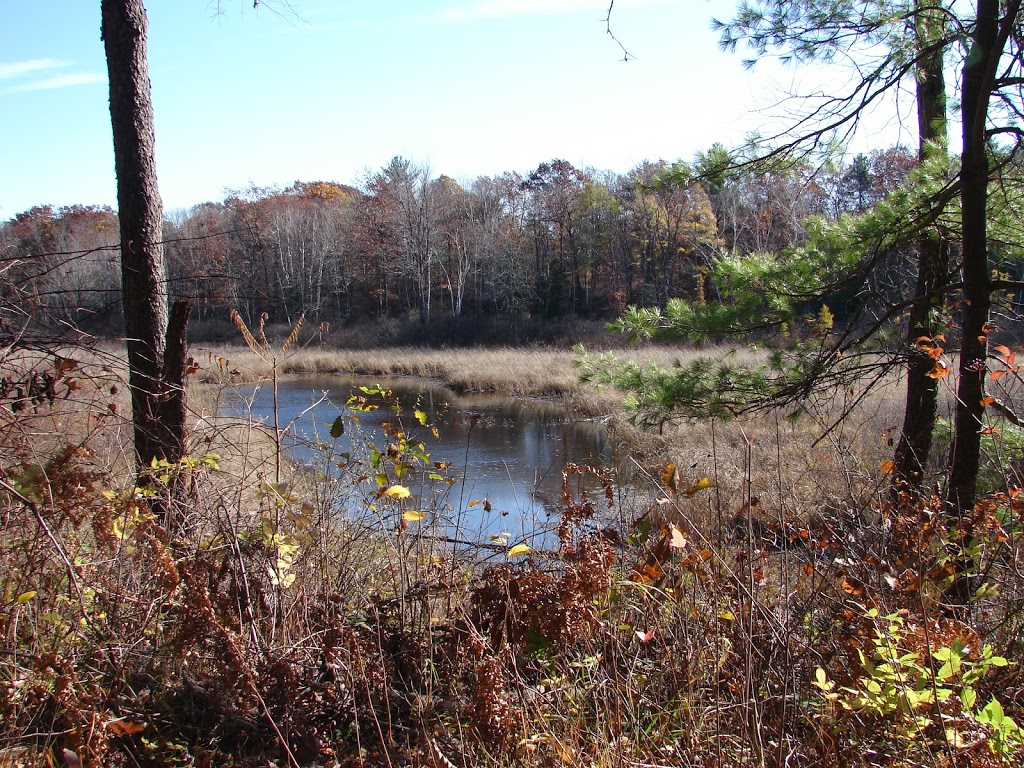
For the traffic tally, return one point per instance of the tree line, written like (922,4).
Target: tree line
(556,242)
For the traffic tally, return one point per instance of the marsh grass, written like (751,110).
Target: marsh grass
(324,622)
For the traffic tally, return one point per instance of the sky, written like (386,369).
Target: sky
(331,90)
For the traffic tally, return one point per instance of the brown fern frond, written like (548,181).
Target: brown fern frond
(263,336)
(244,330)
(294,335)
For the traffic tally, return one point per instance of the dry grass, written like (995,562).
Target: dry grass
(129,643)
(797,467)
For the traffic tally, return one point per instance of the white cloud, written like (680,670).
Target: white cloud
(19,68)
(58,81)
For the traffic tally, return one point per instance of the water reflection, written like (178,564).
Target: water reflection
(506,455)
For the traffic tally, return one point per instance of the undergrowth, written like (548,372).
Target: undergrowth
(327,620)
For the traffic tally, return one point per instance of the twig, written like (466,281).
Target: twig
(34,508)
(626,55)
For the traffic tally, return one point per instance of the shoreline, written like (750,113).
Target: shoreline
(542,374)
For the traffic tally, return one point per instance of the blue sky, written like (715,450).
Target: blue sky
(338,87)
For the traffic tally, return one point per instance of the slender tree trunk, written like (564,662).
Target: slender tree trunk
(921,409)
(156,383)
(977,82)
(965,453)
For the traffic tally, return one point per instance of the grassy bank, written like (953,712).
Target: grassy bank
(766,609)
(797,464)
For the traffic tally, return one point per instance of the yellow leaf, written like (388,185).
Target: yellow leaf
(414,516)
(398,492)
(519,549)
(24,597)
(421,417)
(701,485)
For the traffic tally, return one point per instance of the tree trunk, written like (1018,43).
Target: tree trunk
(977,83)
(965,453)
(157,386)
(921,408)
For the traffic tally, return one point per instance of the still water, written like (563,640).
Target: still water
(506,455)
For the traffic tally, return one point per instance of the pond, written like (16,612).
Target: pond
(502,457)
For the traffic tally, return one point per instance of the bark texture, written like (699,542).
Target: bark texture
(159,429)
(921,407)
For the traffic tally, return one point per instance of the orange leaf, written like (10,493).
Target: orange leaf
(987,401)
(668,477)
(651,573)
(852,586)
(940,371)
(644,637)
(125,727)
(64,365)
(1002,350)
(808,569)
(990,431)
(997,375)
(888,466)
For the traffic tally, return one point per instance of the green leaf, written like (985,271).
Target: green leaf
(992,713)
(968,698)
(338,427)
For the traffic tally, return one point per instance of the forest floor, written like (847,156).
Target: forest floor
(769,606)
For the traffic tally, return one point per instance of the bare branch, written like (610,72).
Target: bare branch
(626,55)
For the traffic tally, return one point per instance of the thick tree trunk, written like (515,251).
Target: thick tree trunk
(159,427)
(921,408)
